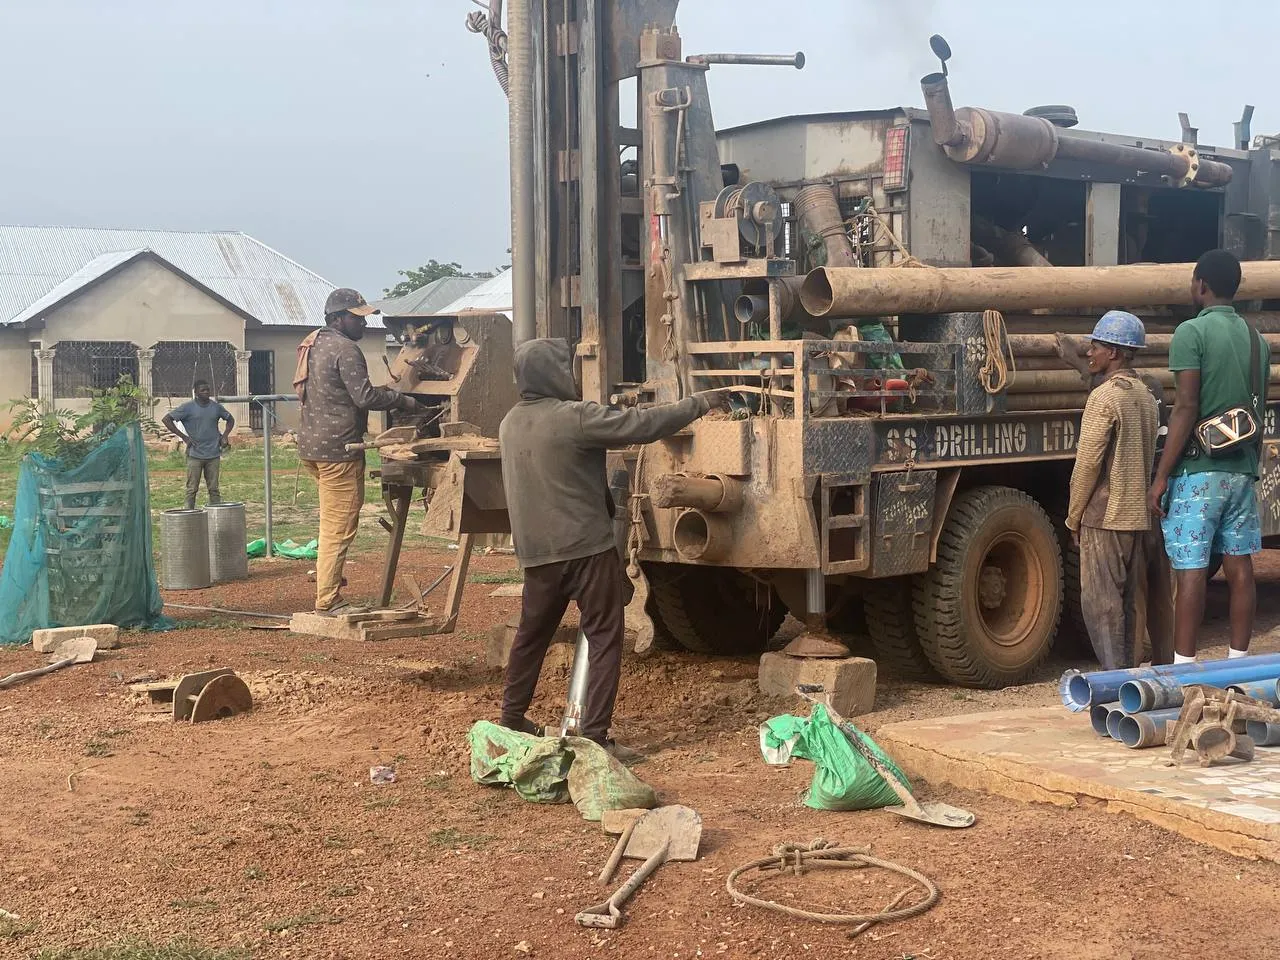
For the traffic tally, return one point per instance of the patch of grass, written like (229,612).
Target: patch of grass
(437,781)
(316,658)
(204,905)
(343,891)
(381,802)
(254,872)
(96,748)
(143,950)
(199,829)
(307,919)
(140,818)
(496,578)
(114,732)
(14,928)
(453,837)
(336,842)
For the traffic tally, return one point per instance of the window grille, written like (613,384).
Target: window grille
(83,365)
(179,363)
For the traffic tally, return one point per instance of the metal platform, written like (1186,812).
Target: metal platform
(1053,756)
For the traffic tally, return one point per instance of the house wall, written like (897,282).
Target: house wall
(284,341)
(15,369)
(143,303)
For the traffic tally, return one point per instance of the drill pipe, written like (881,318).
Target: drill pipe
(1081,690)
(1138,730)
(1098,715)
(1263,734)
(1166,690)
(892,291)
(1267,691)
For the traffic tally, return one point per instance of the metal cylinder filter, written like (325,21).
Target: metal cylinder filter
(184,549)
(227,538)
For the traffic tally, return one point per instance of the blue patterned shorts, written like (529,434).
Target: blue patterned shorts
(1210,513)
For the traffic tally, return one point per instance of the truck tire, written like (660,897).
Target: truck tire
(987,612)
(892,628)
(712,610)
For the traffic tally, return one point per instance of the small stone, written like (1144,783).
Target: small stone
(538,895)
(524,946)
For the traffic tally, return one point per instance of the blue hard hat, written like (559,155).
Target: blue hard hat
(1120,329)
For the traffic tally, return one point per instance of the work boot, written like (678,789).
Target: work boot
(525,726)
(622,754)
(342,607)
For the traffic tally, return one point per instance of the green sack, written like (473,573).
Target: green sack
(843,779)
(288,549)
(549,770)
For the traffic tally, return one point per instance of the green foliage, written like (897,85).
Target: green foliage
(69,437)
(429,272)
(142,950)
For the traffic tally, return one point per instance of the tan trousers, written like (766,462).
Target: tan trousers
(341,497)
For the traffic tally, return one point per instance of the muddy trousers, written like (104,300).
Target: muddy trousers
(596,584)
(1113,588)
(209,469)
(341,493)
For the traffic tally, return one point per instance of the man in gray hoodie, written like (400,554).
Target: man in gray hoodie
(553,469)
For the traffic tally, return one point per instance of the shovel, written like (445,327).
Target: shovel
(934,813)
(667,833)
(70,652)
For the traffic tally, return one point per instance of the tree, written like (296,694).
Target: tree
(429,272)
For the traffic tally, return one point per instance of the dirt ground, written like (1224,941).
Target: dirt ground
(264,832)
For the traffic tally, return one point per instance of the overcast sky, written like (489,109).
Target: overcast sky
(361,137)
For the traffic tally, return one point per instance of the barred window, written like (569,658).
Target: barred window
(83,365)
(179,363)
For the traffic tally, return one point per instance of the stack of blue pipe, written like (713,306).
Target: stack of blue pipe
(1136,706)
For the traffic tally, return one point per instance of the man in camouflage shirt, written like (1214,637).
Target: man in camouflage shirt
(333,385)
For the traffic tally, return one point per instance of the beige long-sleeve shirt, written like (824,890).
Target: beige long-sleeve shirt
(1114,457)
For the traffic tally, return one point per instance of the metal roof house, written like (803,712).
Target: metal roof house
(80,307)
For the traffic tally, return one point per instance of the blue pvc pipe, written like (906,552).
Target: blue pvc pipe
(1263,734)
(1265,690)
(1138,730)
(1113,722)
(1079,691)
(1098,714)
(1157,693)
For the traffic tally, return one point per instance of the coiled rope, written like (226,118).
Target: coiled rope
(996,369)
(825,855)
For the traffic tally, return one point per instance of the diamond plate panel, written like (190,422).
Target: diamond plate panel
(903,521)
(841,447)
(721,446)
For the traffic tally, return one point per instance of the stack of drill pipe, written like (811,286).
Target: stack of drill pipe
(1080,691)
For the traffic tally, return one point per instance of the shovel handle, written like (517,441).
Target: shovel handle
(611,864)
(609,913)
(16,678)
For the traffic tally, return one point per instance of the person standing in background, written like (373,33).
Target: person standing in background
(200,418)
(1107,514)
(332,380)
(1207,503)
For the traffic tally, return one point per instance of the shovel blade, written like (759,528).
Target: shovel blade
(936,814)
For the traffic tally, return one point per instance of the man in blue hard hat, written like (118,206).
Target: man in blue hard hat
(1107,515)
(1205,496)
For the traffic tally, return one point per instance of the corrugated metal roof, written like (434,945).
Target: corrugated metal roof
(91,271)
(259,280)
(428,299)
(493,295)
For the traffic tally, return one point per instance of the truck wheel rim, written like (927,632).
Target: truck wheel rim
(1009,592)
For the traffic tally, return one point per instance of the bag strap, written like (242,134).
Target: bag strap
(1258,386)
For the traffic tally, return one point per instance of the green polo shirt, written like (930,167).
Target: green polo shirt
(1216,342)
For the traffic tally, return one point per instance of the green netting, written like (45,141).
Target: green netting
(80,551)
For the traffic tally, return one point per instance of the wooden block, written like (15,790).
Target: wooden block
(335,629)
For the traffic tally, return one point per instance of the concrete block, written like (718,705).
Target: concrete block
(851,682)
(46,641)
(503,635)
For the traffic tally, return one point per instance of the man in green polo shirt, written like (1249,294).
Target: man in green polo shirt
(1211,507)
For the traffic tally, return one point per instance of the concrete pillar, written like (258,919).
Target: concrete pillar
(145,359)
(241,410)
(44,377)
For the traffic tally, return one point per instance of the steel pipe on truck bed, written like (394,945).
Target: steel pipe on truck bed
(892,291)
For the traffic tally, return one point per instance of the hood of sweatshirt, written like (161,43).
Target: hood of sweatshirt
(544,370)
